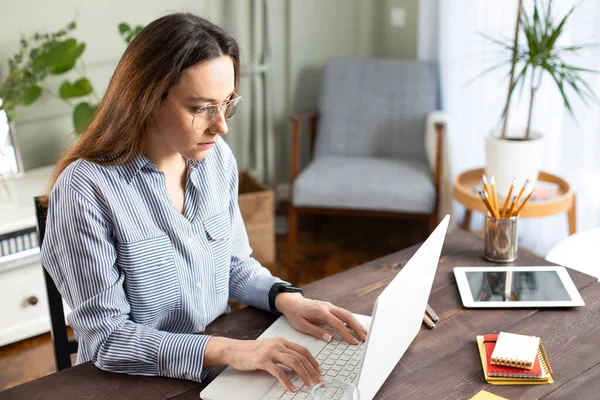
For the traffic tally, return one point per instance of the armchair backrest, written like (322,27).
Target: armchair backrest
(376,107)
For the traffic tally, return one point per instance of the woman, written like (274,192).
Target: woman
(144,236)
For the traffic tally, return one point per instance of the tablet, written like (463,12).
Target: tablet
(515,287)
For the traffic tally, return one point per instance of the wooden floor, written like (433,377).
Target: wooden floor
(327,245)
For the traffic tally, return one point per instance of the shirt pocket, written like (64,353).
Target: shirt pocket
(218,233)
(151,278)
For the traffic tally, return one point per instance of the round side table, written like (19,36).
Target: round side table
(562,201)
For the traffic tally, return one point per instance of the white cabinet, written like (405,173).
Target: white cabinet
(23,301)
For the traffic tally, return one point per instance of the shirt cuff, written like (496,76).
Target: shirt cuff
(257,291)
(182,356)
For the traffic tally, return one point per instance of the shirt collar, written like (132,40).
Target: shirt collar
(131,169)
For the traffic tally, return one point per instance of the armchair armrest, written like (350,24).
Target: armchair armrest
(434,145)
(296,120)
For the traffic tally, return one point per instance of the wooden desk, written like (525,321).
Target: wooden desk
(562,201)
(442,363)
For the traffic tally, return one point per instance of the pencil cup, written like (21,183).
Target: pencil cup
(501,239)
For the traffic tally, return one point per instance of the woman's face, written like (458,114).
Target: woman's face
(204,84)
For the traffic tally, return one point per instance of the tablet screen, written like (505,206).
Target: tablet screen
(516,286)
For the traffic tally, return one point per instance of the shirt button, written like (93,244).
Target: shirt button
(199,285)
(165,372)
(190,240)
(188,376)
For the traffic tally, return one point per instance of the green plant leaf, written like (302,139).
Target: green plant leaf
(124,27)
(31,95)
(82,87)
(487,70)
(82,115)
(558,30)
(62,56)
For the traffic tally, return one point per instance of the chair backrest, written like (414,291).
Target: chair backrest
(63,347)
(376,107)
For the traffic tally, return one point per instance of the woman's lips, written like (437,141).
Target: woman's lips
(206,145)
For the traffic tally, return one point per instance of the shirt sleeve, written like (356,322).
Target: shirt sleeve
(249,281)
(79,253)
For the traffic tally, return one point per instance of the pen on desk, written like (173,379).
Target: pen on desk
(432,314)
(428,322)
(505,206)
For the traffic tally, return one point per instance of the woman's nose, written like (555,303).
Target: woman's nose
(219,127)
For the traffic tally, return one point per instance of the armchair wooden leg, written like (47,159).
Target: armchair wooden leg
(292,241)
(433,221)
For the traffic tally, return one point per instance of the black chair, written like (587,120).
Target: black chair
(63,346)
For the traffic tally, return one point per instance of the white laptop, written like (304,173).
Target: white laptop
(397,318)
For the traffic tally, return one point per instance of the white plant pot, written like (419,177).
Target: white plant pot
(513,157)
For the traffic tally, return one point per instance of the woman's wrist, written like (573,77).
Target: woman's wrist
(218,351)
(283,301)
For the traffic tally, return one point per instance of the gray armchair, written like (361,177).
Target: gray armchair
(371,156)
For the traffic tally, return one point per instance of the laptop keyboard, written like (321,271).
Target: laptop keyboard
(339,360)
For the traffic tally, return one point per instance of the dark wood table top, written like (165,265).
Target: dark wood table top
(442,363)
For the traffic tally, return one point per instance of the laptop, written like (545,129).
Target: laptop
(396,320)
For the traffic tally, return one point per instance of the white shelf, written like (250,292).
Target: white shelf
(18,212)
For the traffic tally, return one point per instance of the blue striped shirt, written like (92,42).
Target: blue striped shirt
(142,279)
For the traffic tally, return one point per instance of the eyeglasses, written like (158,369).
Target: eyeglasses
(205,116)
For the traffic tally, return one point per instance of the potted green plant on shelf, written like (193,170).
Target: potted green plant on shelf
(53,54)
(514,152)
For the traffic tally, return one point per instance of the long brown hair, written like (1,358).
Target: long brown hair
(151,65)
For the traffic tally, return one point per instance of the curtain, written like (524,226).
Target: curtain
(252,137)
(473,104)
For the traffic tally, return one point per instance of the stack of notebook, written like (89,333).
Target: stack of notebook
(510,359)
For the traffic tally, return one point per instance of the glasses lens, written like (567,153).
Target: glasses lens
(203,119)
(232,107)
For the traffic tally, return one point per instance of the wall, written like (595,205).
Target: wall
(44,128)
(304,33)
(397,42)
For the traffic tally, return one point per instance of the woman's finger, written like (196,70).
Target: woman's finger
(347,317)
(278,373)
(339,326)
(313,372)
(316,331)
(294,363)
(305,352)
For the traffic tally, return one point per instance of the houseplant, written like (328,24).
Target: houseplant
(43,55)
(512,152)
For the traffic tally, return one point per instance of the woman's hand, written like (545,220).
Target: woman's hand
(264,354)
(306,315)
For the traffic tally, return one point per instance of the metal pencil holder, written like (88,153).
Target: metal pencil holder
(501,239)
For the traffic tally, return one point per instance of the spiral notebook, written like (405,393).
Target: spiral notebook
(541,373)
(515,350)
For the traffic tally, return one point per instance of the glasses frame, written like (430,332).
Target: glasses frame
(213,115)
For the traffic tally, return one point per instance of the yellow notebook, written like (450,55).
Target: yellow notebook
(546,378)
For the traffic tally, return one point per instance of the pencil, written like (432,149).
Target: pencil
(512,206)
(521,194)
(484,197)
(505,206)
(494,196)
(524,201)
(485,185)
